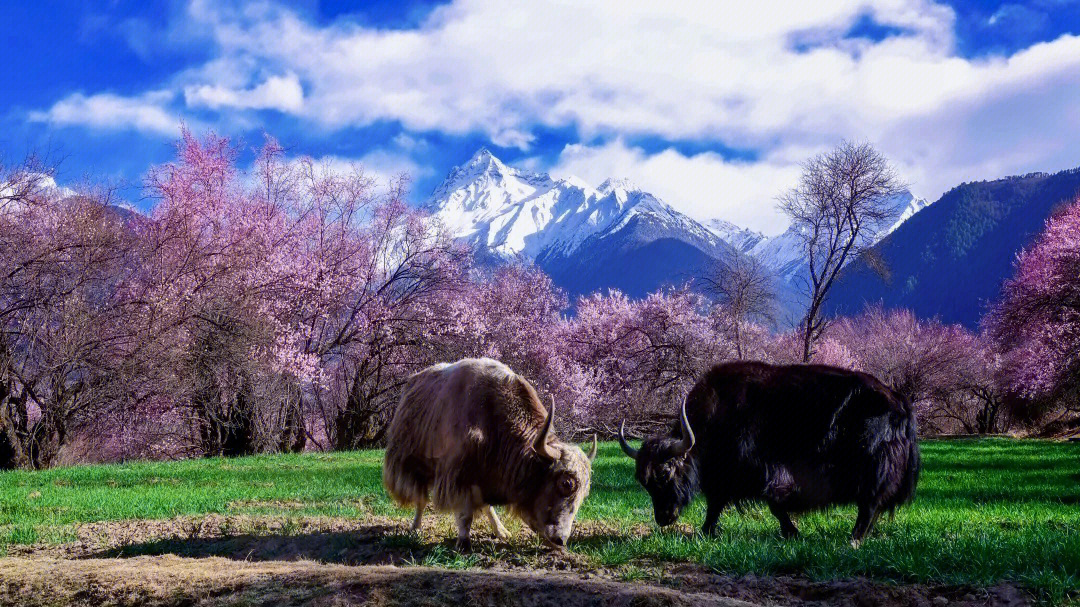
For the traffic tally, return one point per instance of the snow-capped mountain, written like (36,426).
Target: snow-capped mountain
(742,239)
(905,206)
(784,253)
(585,237)
(40,182)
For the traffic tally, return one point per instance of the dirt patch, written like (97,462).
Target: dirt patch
(264,560)
(371,540)
(120,538)
(170,580)
(789,590)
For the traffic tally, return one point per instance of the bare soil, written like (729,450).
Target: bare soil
(245,560)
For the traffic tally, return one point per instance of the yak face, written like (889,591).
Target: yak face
(667,469)
(564,485)
(669,476)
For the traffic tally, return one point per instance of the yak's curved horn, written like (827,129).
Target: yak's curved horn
(688,438)
(541,444)
(592,452)
(627,449)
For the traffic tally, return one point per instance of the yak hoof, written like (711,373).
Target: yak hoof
(855,544)
(463,544)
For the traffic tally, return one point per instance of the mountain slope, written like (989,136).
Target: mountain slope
(612,236)
(784,253)
(743,239)
(950,259)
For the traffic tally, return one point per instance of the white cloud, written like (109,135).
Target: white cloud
(283,93)
(709,70)
(409,143)
(145,112)
(723,71)
(382,166)
(703,186)
(683,70)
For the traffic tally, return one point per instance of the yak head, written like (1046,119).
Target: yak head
(564,483)
(666,469)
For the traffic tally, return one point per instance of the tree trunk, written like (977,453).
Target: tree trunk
(239,428)
(808,342)
(293,436)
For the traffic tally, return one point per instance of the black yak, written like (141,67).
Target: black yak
(473,434)
(798,437)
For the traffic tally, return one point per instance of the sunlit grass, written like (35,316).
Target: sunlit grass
(986,511)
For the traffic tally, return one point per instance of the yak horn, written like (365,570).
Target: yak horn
(632,452)
(541,445)
(592,452)
(688,439)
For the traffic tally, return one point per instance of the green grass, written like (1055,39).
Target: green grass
(986,511)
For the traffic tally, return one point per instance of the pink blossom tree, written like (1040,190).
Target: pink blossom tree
(1037,321)
(63,338)
(948,373)
(637,358)
(512,314)
(305,279)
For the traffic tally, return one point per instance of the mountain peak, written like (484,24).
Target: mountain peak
(611,184)
(482,166)
(511,211)
(484,160)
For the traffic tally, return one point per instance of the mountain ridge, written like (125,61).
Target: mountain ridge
(601,233)
(949,260)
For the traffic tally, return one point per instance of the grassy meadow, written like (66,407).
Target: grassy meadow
(986,511)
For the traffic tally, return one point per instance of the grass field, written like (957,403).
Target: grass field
(986,511)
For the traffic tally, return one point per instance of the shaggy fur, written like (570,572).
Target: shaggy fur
(464,435)
(799,437)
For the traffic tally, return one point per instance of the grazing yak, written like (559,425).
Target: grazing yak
(798,437)
(473,434)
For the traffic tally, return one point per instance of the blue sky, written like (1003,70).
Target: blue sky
(711,106)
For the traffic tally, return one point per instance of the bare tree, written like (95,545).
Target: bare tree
(744,286)
(840,203)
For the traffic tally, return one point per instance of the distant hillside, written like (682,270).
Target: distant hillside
(950,259)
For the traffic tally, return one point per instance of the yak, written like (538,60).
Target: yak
(798,437)
(473,434)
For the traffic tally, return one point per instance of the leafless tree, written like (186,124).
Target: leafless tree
(841,201)
(744,286)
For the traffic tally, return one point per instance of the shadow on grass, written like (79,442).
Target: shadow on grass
(370,545)
(364,545)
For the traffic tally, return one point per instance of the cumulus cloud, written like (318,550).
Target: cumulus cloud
(382,166)
(690,69)
(724,71)
(146,112)
(283,93)
(779,77)
(703,185)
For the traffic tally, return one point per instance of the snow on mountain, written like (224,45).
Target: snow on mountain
(784,253)
(906,206)
(512,212)
(742,239)
(39,182)
(614,235)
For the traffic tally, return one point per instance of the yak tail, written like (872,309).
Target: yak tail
(909,477)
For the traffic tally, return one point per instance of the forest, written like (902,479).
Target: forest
(280,308)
